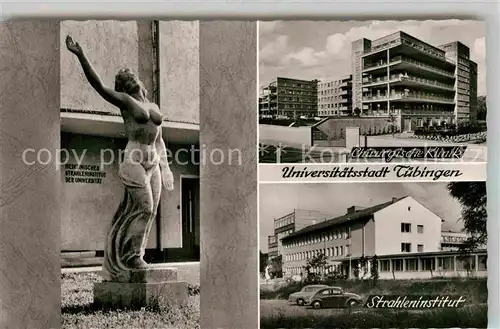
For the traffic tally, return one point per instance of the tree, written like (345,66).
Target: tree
(374,270)
(317,263)
(363,262)
(472,198)
(263,261)
(356,112)
(277,265)
(481,108)
(393,122)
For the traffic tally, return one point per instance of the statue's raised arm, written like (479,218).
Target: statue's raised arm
(118,99)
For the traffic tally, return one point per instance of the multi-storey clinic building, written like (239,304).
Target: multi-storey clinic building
(419,83)
(93,133)
(290,223)
(401,232)
(289,98)
(335,97)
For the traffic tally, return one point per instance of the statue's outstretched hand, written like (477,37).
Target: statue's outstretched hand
(168,179)
(72,46)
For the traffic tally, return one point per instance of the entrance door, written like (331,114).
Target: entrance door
(190,200)
(407,124)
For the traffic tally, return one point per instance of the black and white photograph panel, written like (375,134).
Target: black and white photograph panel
(130,241)
(373,255)
(327,88)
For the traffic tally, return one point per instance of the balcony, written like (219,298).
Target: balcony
(404,78)
(424,66)
(410,97)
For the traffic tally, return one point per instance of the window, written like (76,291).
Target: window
(336,251)
(411,265)
(385,266)
(428,264)
(347,250)
(420,228)
(405,227)
(446,263)
(341,249)
(405,247)
(420,248)
(397,265)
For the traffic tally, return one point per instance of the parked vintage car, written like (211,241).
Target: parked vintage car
(300,297)
(333,297)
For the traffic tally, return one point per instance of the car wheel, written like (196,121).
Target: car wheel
(352,303)
(300,302)
(317,305)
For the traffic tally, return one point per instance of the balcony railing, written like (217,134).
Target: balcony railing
(410,61)
(400,77)
(422,65)
(396,95)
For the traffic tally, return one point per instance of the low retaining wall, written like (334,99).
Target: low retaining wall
(287,136)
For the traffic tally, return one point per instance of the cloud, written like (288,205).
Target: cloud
(270,26)
(273,51)
(306,57)
(479,48)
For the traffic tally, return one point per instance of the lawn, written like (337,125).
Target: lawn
(78,311)
(276,313)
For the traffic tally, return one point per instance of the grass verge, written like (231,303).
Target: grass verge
(78,311)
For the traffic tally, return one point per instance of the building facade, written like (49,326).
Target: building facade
(290,223)
(335,97)
(92,132)
(286,98)
(465,81)
(414,231)
(402,76)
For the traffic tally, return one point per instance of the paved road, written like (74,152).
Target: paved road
(269,307)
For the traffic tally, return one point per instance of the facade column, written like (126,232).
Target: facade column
(30,200)
(455,264)
(476,263)
(388,78)
(228,53)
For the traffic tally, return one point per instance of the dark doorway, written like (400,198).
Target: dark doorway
(190,194)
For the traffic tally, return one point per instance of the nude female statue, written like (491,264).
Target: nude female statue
(143,170)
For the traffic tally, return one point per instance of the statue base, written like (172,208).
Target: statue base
(149,287)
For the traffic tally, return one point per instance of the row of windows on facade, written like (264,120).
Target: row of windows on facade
(331,99)
(406,228)
(452,238)
(309,240)
(331,91)
(330,84)
(284,221)
(298,85)
(296,100)
(444,263)
(328,252)
(332,106)
(295,106)
(296,92)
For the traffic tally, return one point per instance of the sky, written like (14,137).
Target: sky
(322,49)
(276,200)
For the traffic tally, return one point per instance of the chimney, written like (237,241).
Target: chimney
(394,199)
(351,210)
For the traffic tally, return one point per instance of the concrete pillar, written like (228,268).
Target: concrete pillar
(228,195)
(351,137)
(30,295)
(476,263)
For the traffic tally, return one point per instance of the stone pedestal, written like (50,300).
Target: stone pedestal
(146,288)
